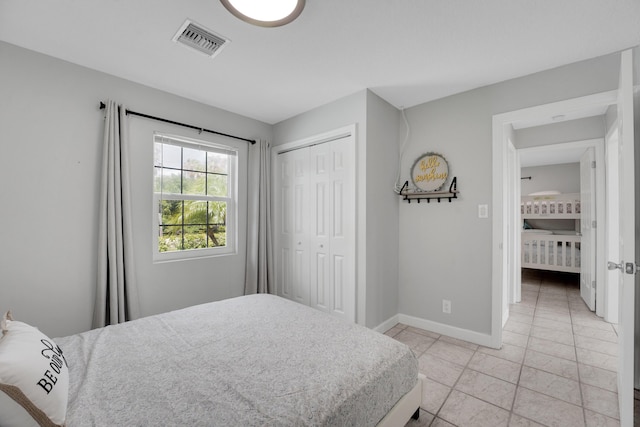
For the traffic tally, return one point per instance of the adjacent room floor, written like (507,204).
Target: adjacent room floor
(557,366)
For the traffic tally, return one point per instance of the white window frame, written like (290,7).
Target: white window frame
(231,200)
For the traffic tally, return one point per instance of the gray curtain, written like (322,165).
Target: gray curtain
(259,271)
(116,293)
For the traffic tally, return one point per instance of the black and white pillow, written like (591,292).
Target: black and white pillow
(34,377)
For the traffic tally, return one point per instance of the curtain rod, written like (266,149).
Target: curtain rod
(160,119)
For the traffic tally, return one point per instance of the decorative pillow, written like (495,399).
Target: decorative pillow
(34,377)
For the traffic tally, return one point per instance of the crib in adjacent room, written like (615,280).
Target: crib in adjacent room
(551,249)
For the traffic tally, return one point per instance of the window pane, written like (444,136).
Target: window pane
(171,181)
(218,213)
(171,212)
(157,180)
(193,183)
(171,156)
(217,185)
(195,237)
(195,213)
(217,163)
(170,238)
(217,235)
(194,160)
(157,154)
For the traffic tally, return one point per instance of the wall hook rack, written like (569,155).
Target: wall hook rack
(419,195)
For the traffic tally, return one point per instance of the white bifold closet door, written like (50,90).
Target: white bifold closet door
(315,215)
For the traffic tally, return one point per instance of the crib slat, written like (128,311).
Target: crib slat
(557,253)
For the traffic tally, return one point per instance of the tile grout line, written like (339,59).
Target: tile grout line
(466,366)
(572,313)
(575,349)
(513,403)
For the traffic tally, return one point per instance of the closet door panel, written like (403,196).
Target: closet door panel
(284,226)
(320,245)
(284,273)
(300,281)
(319,281)
(284,284)
(338,290)
(343,213)
(292,223)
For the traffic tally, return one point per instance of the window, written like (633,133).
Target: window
(194,198)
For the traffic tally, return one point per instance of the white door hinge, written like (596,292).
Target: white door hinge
(593,164)
(593,224)
(593,284)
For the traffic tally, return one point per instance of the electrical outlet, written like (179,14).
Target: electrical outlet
(446,306)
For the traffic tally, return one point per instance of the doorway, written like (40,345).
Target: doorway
(552,173)
(622,98)
(503,223)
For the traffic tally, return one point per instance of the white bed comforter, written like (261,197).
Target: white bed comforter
(258,360)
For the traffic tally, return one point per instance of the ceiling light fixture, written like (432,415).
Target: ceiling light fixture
(263,13)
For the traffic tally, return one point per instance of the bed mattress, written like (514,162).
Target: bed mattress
(256,360)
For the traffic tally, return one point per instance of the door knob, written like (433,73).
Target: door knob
(613,266)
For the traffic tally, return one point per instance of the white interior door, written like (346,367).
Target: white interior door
(333,228)
(613,226)
(627,263)
(292,198)
(587,229)
(321,204)
(314,194)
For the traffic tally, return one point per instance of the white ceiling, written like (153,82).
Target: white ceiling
(406,51)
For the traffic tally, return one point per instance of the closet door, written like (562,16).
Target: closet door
(315,215)
(343,229)
(292,269)
(332,240)
(320,241)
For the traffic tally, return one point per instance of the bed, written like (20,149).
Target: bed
(255,360)
(554,249)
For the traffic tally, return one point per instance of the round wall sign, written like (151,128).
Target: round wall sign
(430,172)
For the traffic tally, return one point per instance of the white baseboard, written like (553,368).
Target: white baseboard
(505,317)
(438,328)
(387,324)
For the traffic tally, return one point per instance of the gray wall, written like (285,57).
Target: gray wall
(445,249)
(382,210)
(50,164)
(564,178)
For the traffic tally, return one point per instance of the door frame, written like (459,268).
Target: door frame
(598,145)
(502,129)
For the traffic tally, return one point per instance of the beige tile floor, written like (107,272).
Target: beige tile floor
(557,366)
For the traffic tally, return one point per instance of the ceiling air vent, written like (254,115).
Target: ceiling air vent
(197,37)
